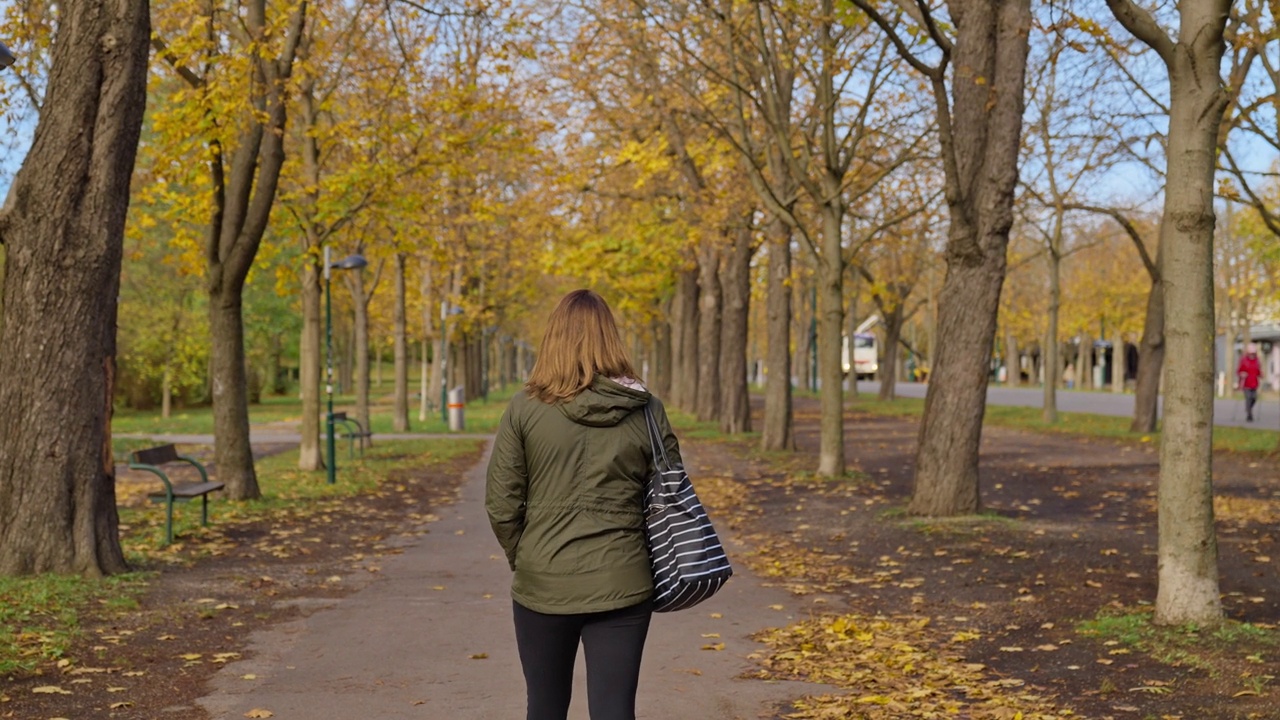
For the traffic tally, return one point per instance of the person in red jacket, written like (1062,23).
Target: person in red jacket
(1247,375)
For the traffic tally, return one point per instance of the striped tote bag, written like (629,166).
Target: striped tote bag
(689,565)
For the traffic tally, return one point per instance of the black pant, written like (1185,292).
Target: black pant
(1250,399)
(613,642)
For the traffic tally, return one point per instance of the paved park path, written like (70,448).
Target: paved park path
(431,638)
(1226,411)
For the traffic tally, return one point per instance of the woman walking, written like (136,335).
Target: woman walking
(564,496)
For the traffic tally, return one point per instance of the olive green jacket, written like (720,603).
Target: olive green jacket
(565,494)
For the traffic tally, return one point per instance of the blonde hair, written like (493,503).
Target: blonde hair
(581,341)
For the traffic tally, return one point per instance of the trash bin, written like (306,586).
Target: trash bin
(457,421)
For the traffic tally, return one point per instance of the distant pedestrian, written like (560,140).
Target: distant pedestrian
(564,495)
(1248,374)
(1069,376)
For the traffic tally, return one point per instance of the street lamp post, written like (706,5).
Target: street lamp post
(351,262)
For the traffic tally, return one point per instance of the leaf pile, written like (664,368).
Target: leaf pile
(896,667)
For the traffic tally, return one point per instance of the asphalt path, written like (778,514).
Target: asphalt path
(430,637)
(1226,411)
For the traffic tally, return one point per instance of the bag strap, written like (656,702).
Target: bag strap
(656,446)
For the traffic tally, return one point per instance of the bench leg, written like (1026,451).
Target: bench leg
(204,510)
(168,521)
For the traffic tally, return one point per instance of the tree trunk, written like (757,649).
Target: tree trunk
(981,161)
(830,327)
(660,382)
(1146,401)
(893,321)
(233,456)
(400,414)
(68,202)
(804,335)
(310,453)
(360,298)
(243,187)
(1013,361)
(1052,363)
(778,432)
(735,284)
(1084,363)
(684,326)
(707,392)
(1117,363)
(1188,548)
(166,393)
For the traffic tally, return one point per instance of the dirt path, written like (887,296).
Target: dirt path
(1071,535)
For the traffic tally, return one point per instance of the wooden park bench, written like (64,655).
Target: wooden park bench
(150,460)
(352,429)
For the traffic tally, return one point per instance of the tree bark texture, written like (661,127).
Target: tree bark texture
(830,329)
(1051,343)
(710,308)
(400,416)
(310,453)
(891,313)
(1117,363)
(65,230)
(735,286)
(1188,548)
(981,141)
(1146,401)
(360,346)
(778,433)
(1084,362)
(233,459)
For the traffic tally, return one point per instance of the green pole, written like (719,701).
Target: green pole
(328,334)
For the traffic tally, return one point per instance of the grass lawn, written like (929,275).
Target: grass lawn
(1232,439)
(481,416)
(40,616)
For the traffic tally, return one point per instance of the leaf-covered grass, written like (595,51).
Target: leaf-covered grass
(1231,439)
(286,492)
(1207,649)
(40,616)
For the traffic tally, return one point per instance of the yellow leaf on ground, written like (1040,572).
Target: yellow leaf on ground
(259,713)
(717,646)
(50,690)
(480,656)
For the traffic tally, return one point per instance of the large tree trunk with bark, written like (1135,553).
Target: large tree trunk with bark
(981,142)
(63,233)
(735,286)
(707,391)
(778,433)
(233,456)
(1188,550)
(830,328)
(310,453)
(684,328)
(400,414)
(1146,401)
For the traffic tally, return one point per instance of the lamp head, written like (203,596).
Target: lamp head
(6,57)
(351,262)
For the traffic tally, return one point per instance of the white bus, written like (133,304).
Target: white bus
(866,355)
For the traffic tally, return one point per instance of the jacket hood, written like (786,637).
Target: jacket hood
(605,403)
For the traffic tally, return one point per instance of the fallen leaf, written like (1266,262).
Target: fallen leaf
(717,646)
(480,656)
(259,713)
(50,690)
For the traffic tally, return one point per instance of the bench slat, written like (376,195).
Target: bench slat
(191,490)
(156,455)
